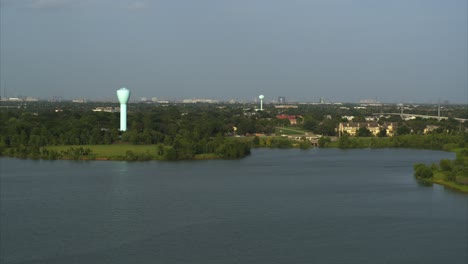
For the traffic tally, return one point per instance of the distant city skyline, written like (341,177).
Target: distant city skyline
(343,51)
(321,100)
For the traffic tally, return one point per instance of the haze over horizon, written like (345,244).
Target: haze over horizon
(341,50)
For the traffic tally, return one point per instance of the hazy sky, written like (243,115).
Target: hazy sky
(342,50)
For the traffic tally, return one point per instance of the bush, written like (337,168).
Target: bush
(445,165)
(305,145)
(256,141)
(422,171)
(344,142)
(233,150)
(323,142)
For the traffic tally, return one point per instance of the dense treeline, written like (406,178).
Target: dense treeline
(182,133)
(188,131)
(434,141)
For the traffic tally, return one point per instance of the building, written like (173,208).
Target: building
(390,128)
(107,109)
(285,106)
(281,99)
(429,129)
(349,118)
(292,119)
(196,100)
(351,128)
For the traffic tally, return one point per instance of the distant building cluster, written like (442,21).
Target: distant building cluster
(369,101)
(191,101)
(285,106)
(107,109)
(352,128)
(19,99)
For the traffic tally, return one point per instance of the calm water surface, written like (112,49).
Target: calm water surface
(276,206)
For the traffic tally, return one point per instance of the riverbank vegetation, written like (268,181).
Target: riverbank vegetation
(169,133)
(434,141)
(450,173)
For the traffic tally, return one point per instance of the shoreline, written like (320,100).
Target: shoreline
(447,184)
(211,156)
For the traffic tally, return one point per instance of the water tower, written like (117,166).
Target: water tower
(261,97)
(123,94)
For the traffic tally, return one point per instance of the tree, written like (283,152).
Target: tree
(445,165)
(364,132)
(305,145)
(403,130)
(323,142)
(160,149)
(423,171)
(344,142)
(382,132)
(256,141)
(327,127)
(309,123)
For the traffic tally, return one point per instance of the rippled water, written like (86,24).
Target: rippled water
(276,206)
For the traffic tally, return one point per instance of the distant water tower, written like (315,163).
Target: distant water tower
(123,94)
(261,97)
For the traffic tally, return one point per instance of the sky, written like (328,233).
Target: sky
(341,50)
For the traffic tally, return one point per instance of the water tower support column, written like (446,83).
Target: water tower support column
(123,117)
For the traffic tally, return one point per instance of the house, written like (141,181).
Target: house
(430,128)
(390,128)
(292,119)
(349,118)
(106,109)
(371,118)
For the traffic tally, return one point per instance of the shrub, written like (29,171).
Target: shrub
(305,145)
(445,165)
(422,171)
(323,142)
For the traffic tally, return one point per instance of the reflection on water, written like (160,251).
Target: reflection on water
(423,183)
(121,168)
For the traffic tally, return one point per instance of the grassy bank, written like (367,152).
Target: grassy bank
(441,180)
(450,173)
(290,131)
(111,151)
(451,185)
(121,152)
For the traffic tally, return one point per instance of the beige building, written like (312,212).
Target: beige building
(430,128)
(351,128)
(390,128)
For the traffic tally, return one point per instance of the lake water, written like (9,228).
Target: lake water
(276,206)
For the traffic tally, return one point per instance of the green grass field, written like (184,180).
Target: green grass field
(111,151)
(439,178)
(290,131)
